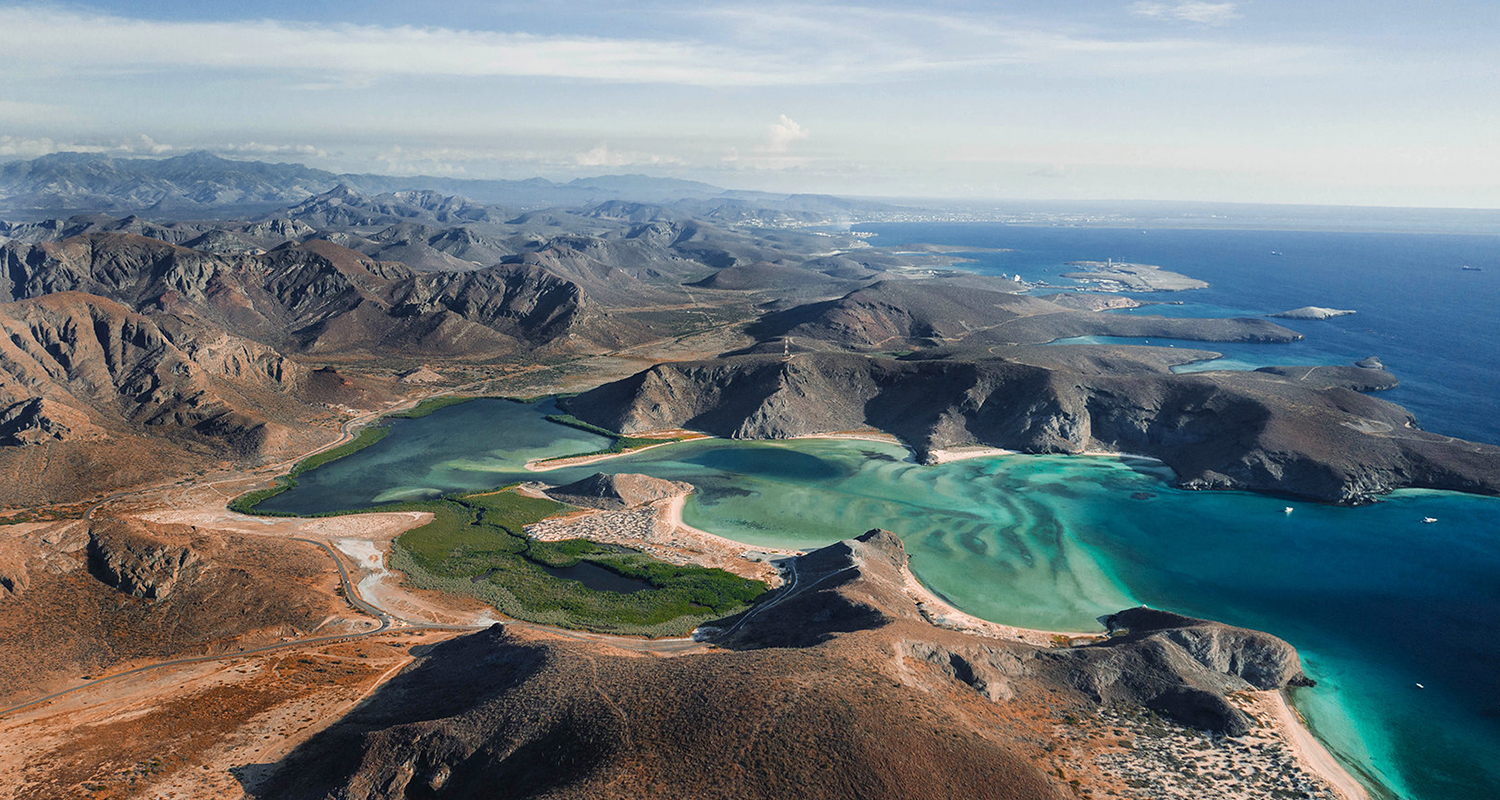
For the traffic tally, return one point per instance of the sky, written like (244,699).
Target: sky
(1346,102)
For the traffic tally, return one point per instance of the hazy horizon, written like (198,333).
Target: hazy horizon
(1377,104)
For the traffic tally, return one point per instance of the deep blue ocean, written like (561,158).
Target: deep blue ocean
(1435,325)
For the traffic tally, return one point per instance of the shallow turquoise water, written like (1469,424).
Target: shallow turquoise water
(1375,600)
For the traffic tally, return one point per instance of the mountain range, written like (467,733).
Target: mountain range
(205,185)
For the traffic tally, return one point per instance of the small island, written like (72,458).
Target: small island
(1312,312)
(1113,276)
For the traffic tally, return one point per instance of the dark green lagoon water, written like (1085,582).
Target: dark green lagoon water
(1374,599)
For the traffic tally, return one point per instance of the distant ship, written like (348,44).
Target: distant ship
(1468,268)
(1275,252)
(1429,520)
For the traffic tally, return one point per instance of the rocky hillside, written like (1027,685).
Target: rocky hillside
(837,687)
(95,396)
(71,357)
(908,314)
(318,296)
(1263,430)
(108,592)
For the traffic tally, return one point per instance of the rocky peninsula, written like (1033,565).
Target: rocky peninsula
(1114,276)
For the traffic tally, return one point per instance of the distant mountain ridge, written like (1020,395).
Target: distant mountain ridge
(200,183)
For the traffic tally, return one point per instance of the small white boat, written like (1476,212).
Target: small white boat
(1429,520)
(1420,686)
(1287,510)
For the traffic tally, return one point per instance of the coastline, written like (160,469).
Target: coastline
(672,509)
(858,436)
(657,529)
(942,614)
(563,462)
(1316,758)
(966,452)
(1273,708)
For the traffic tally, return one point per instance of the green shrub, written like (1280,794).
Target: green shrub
(476,545)
(429,406)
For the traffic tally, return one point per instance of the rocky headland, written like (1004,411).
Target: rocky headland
(1301,431)
(1114,276)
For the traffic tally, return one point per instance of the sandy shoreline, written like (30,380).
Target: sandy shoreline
(965,453)
(673,510)
(1308,750)
(657,530)
(858,436)
(943,615)
(561,462)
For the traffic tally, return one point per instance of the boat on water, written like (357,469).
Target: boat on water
(1275,252)
(1468,268)
(1287,510)
(1429,520)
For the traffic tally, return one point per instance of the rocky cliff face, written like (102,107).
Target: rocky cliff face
(139,564)
(38,420)
(1265,430)
(1183,667)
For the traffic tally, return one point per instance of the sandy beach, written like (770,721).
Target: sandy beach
(940,613)
(549,464)
(1306,747)
(965,453)
(859,436)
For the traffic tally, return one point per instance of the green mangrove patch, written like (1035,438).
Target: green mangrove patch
(430,406)
(247,502)
(475,545)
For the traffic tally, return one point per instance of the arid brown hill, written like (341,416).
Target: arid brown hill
(837,687)
(906,314)
(96,396)
(320,297)
(1262,430)
(89,597)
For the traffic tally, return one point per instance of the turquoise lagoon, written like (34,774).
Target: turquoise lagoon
(1376,600)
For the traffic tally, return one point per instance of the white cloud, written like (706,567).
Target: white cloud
(262,149)
(22,147)
(1192,11)
(781,133)
(775,46)
(143,145)
(603,156)
(42,40)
